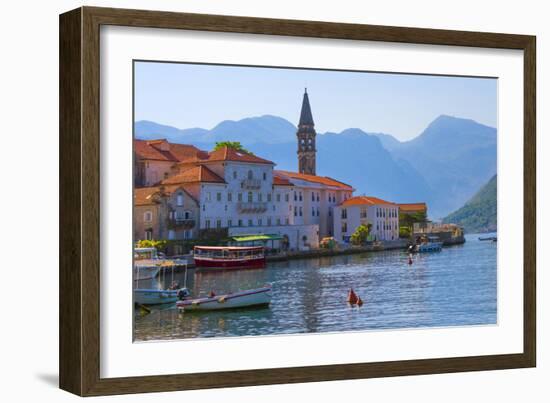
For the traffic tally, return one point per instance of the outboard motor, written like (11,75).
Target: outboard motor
(183,293)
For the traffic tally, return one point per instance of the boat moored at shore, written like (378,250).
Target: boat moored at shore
(242,299)
(229,257)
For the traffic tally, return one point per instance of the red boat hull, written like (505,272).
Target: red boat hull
(233,264)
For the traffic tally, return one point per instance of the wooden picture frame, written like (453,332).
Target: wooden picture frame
(80,197)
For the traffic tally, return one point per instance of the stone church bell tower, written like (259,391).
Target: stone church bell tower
(306,139)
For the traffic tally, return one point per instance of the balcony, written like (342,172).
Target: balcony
(181,223)
(251,184)
(252,207)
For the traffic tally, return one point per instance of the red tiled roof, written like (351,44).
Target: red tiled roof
(145,196)
(280,181)
(198,173)
(362,200)
(152,150)
(413,206)
(323,180)
(226,154)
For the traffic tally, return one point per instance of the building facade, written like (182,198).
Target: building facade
(382,215)
(235,192)
(165,212)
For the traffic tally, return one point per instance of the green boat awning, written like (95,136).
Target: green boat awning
(257,237)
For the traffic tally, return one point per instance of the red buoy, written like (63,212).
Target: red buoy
(352,297)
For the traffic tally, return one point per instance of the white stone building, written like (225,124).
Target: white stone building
(381,214)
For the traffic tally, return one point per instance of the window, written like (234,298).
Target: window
(363,212)
(344,227)
(295,211)
(179,199)
(313,211)
(230,197)
(295,197)
(259,222)
(269,221)
(260,197)
(225,207)
(286,197)
(318,197)
(250,197)
(187,215)
(234,174)
(203,207)
(312,196)
(207,224)
(301,211)
(240,197)
(171,234)
(149,234)
(218,223)
(250,175)
(344,213)
(301,196)
(269,197)
(218,196)
(318,212)
(240,223)
(330,212)
(265,176)
(250,223)
(208,196)
(147,216)
(229,223)
(286,221)
(278,221)
(278,197)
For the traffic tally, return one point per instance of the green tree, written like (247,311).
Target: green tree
(409,219)
(361,234)
(236,145)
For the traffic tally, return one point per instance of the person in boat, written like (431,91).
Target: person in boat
(211,294)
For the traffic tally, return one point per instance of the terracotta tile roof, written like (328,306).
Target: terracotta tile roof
(198,173)
(323,180)
(280,181)
(226,154)
(162,150)
(146,196)
(413,206)
(368,200)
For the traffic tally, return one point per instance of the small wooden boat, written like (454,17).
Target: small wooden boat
(144,296)
(229,257)
(488,238)
(241,299)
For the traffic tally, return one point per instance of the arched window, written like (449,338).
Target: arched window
(179,200)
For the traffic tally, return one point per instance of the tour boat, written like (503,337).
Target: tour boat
(433,244)
(242,299)
(229,257)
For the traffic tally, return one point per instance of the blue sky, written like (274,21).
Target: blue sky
(190,95)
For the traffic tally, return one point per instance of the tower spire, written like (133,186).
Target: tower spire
(306,139)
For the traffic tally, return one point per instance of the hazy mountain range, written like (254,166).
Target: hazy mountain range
(479,214)
(444,165)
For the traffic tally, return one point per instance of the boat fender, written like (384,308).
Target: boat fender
(221,300)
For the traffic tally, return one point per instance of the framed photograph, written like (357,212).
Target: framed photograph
(250,201)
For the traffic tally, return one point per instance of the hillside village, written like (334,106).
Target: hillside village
(183,193)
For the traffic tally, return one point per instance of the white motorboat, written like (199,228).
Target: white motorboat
(247,298)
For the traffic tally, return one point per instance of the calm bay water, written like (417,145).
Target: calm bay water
(454,287)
